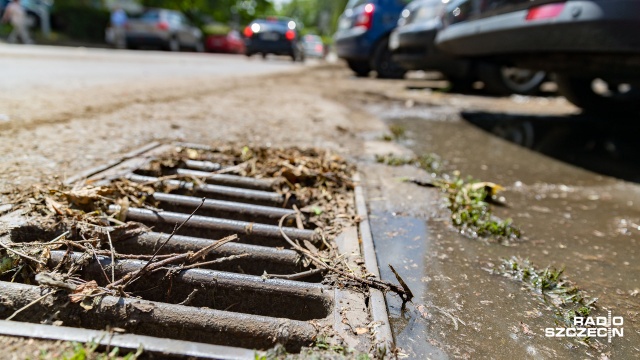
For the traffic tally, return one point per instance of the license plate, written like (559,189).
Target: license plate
(270,36)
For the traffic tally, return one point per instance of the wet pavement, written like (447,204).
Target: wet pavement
(581,220)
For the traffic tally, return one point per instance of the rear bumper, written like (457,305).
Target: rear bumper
(140,39)
(253,46)
(596,26)
(353,44)
(413,47)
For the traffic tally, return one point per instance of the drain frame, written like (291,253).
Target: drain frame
(363,240)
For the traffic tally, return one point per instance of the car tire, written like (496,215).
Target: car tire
(461,85)
(173,45)
(581,92)
(361,68)
(504,80)
(384,65)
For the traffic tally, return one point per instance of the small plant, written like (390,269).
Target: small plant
(398,131)
(471,211)
(565,297)
(393,160)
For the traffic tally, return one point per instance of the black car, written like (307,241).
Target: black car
(592,45)
(413,46)
(274,35)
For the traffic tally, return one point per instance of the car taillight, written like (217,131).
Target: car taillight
(290,35)
(163,25)
(319,48)
(548,11)
(248,32)
(365,19)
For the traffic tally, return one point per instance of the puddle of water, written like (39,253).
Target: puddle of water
(572,218)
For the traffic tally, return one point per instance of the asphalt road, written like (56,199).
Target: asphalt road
(25,68)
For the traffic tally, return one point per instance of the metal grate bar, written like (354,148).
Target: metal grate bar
(161,319)
(226,209)
(218,192)
(252,231)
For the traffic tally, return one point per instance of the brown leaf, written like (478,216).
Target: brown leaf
(83,290)
(145,308)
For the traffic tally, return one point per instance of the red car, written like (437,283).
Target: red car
(230,42)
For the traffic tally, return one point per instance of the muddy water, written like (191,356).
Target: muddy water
(573,218)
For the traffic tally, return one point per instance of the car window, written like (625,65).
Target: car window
(152,15)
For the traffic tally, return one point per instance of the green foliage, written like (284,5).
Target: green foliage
(81,22)
(225,11)
(319,16)
(567,300)
(471,212)
(89,351)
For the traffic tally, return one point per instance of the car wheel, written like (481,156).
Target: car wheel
(506,80)
(599,96)
(384,65)
(173,45)
(361,68)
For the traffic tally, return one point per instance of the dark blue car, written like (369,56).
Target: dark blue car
(362,38)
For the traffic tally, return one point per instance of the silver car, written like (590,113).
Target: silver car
(168,29)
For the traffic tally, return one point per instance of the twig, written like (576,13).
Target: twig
(59,237)
(296,276)
(22,254)
(113,260)
(152,267)
(189,298)
(175,230)
(212,262)
(374,283)
(28,305)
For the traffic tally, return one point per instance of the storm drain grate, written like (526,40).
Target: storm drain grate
(225,307)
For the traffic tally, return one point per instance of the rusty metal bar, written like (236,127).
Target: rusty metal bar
(159,319)
(160,348)
(220,207)
(202,165)
(247,294)
(148,243)
(230,180)
(219,192)
(223,226)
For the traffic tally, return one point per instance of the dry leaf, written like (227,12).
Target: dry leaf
(83,290)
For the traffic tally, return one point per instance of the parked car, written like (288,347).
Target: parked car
(274,35)
(230,42)
(168,29)
(363,33)
(33,8)
(592,45)
(313,46)
(413,46)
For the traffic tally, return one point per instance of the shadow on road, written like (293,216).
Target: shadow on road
(608,146)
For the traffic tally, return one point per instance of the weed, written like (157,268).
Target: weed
(471,211)
(398,131)
(567,300)
(80,351)
(428,162)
